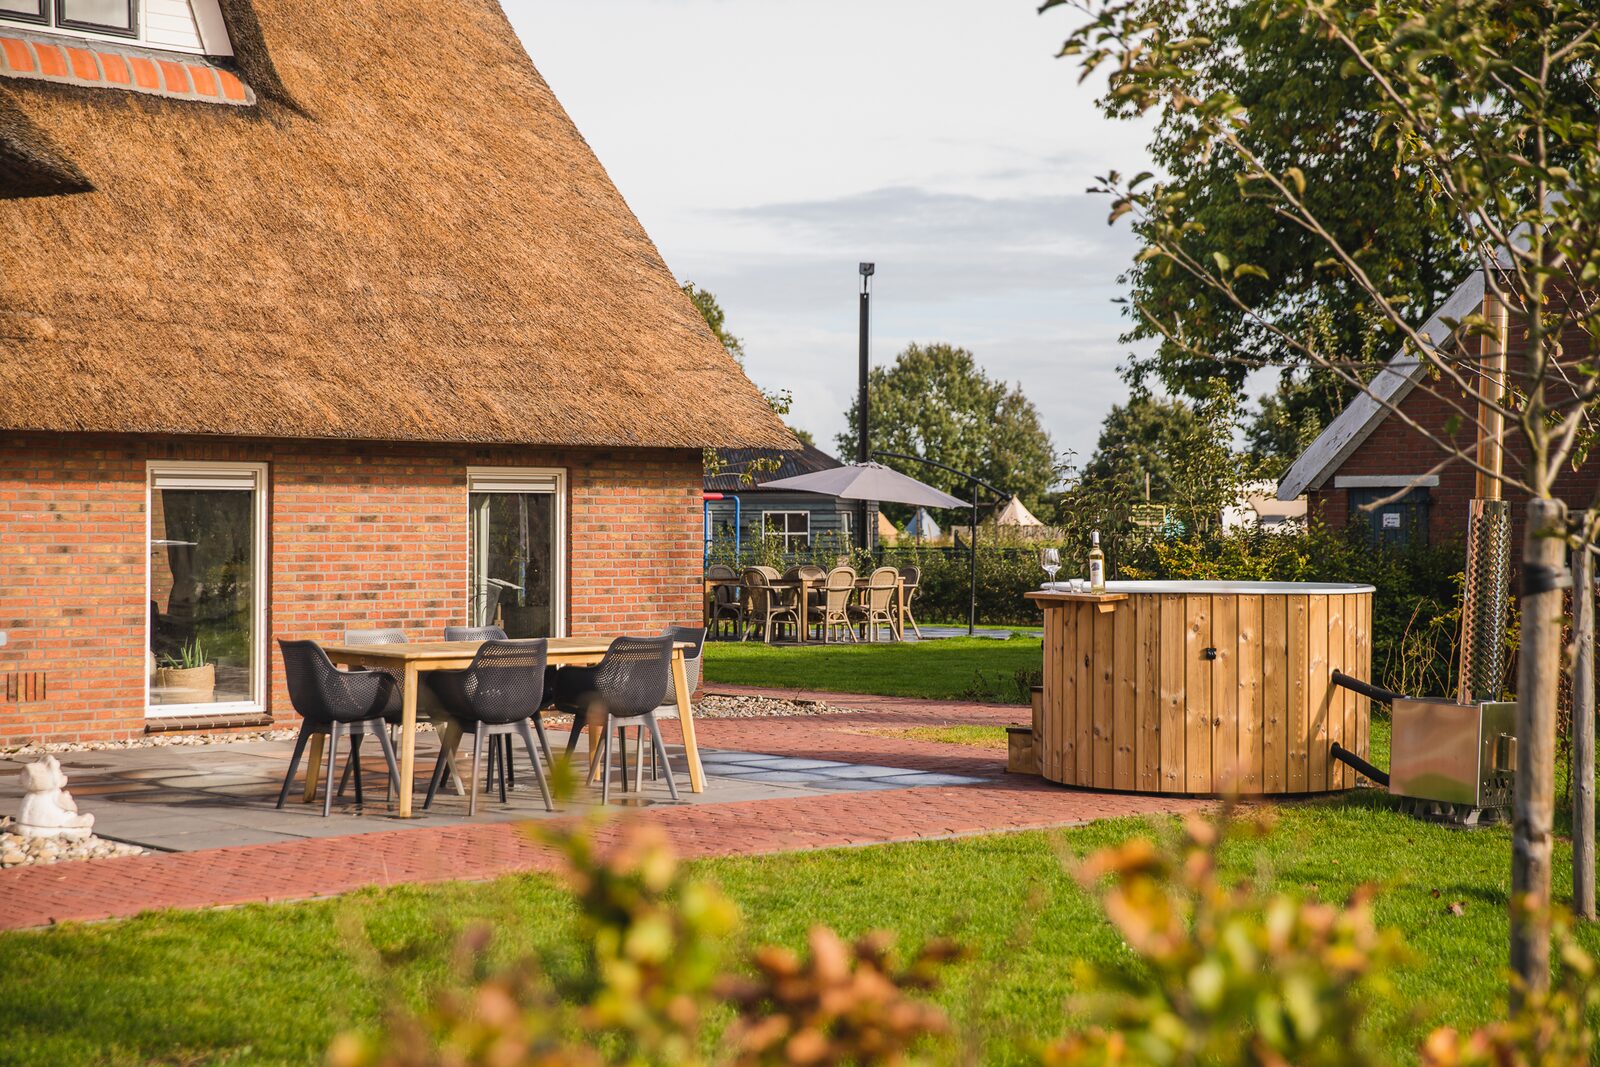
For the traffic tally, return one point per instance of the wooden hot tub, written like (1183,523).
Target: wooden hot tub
(1203,687)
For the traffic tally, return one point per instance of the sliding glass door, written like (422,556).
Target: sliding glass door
(206,588)
(517,519)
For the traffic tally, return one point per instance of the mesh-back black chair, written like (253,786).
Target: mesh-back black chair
(693,659)
(474,633)
(500,748)
(494,697)
(336,704)
(628,684)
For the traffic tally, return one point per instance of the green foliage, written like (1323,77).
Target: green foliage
(1185,450)
(653,939)
(716,319)
(1297,109)
(937,403)
(1232,975)
(191,655)
(1553,1028)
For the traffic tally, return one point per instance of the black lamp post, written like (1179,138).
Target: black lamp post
(863,445)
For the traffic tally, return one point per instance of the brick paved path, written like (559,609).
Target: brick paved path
(35,896)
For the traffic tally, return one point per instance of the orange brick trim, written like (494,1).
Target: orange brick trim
(180,78)
(174,724)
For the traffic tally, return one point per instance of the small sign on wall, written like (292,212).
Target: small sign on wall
(1391,520)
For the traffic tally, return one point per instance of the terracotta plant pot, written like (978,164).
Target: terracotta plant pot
(187,685)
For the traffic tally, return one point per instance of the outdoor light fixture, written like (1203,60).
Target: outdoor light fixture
(863,417)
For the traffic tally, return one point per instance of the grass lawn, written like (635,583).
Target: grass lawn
(976,736)
(971,668)
(272,984)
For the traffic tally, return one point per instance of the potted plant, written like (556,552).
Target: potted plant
(186,678)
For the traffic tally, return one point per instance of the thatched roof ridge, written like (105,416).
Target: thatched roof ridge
(405,239)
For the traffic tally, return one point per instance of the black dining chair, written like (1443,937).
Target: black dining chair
(693,659)
(336,704)
(501,747)
(627,684)
(494,697)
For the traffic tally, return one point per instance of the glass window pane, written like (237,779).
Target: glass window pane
(23,10)
(110,16)
(202,596)
(513,562)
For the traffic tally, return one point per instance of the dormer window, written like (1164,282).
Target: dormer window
(118,18)
(193,26)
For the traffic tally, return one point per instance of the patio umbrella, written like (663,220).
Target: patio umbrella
(869,481)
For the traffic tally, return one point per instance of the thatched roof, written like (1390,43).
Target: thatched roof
(405,238)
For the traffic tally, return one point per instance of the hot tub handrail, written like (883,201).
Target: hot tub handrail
(1366,689)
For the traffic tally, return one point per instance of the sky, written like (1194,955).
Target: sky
(769,146)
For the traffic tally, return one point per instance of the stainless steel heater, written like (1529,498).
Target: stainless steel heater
(1454,761)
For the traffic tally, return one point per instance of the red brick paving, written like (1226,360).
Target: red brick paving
(118,888)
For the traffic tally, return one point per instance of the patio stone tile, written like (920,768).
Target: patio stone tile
(925,779)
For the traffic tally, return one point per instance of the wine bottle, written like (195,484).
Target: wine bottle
(1097,564)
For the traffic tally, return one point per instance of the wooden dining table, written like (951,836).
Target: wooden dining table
(409,661)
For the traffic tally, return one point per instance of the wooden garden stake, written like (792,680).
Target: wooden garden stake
(1583,728)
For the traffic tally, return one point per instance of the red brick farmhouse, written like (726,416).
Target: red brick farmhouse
(1374,448)
(312,316)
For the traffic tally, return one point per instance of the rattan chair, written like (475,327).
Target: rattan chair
(768,607)
(494,697)
(877,603)
(335,704)
(834,611)
(727,600)
(910,578)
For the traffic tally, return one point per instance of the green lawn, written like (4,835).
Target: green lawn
(271,984)
(972,668)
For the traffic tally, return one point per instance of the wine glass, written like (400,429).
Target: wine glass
(1050,561)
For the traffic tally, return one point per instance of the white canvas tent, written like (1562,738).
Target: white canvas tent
(1016,513)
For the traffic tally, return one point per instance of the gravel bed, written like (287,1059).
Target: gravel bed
(19,851)
(746,707)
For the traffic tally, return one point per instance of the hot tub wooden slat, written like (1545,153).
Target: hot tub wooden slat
(1083,654)
(1147,695)
(1197,692)
(1225,689)
(1203,692)
(1124,623)
(1299,708)
(1275,695)
(1318,697)
(1249,694)
(1172,708)
(1102,671)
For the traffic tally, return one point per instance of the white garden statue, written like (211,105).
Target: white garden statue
(48,810)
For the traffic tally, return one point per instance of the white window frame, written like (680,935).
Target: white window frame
(786,533)
(189,474)
(552,480)
(207,15)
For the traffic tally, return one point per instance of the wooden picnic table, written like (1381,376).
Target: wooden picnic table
(408,661)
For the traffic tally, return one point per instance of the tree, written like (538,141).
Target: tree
(937,403)
(781,400)
(1489,107)
(1296,110)
(1185,451)
(715,317)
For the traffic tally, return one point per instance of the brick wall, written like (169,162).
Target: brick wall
(358,534)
